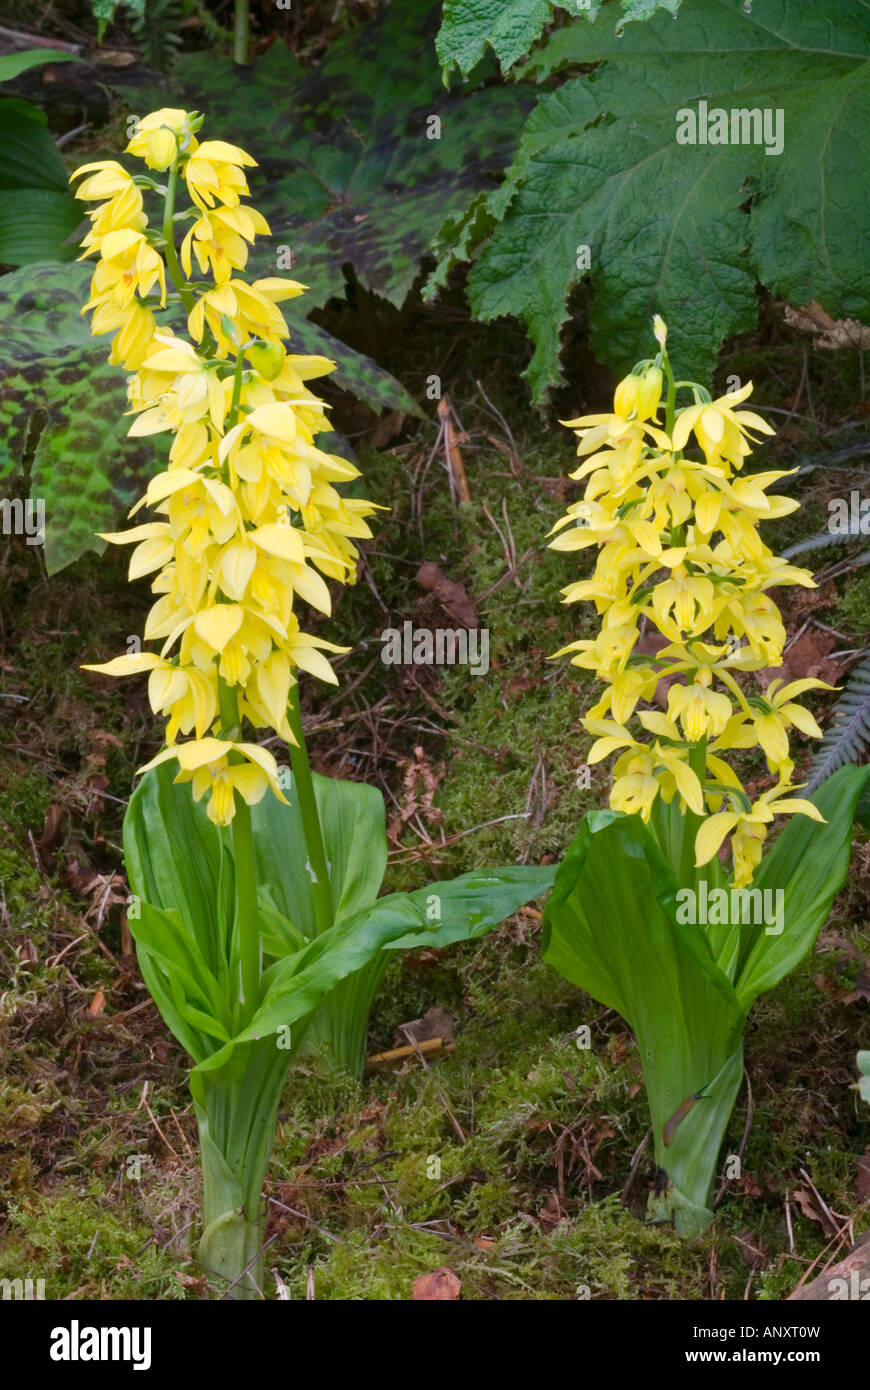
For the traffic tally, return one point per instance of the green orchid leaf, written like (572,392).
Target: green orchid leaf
(611,928)
(459,909)
(352,819)
(808,865)
(293,987)
(464,908)
(183,988)
(279,936)
(176,860)
(165,936)
(12,65)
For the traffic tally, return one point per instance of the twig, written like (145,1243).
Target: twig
(399,1054)
(310,1219)
(635,1164)
(463,1137)
(144,1101)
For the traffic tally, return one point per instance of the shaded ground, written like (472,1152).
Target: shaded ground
(371,1184)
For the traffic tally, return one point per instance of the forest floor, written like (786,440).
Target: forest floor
(517,1159)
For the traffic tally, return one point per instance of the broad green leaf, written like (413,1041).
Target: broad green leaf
(280,937)
(610,928)
(31,159)
(178,980)
(452,910)
(352,820)
(36,225)
(169,940)
(464,908)
(809,863)
(14,64)
(173,855)
(292,988)
(510,27)
(685,230)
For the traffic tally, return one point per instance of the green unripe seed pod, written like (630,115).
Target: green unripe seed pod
(267,359)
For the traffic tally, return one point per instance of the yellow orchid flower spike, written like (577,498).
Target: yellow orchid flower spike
(680,554)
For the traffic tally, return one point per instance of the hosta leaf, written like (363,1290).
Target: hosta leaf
(36,224)
(31,159)
(686,230)
(38,214)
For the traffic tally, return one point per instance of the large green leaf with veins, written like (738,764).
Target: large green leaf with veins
(350,171)
(685,230)
(511,27)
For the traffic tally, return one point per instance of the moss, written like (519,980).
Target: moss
(853,606)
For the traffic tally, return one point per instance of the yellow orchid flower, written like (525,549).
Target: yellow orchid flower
(746,827)
(775,713)
(219,240)
(251,523)
(679,553)
(161,136)
(206,763)
(721,431)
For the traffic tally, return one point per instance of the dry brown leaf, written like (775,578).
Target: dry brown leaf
(440,1285)
(435,1023)
(830,333)
(452,596)
(51,827)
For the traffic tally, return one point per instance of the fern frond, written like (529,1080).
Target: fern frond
(848,735)
(822,540)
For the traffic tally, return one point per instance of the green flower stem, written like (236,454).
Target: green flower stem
(233,418)
(321,893)
(169,242)
(246,931)
(670,400)
(241,31)
(698,764)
